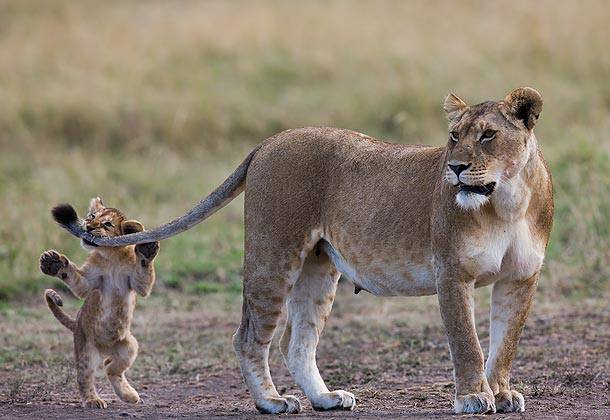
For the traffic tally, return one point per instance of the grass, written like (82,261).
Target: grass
(151,104)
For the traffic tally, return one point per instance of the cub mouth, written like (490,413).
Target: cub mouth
(86,242)
(485,190)
(91,235)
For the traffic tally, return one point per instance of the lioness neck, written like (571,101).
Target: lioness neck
(512,199)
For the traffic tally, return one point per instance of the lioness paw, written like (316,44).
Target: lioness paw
(286,404)
(336,400)
(95,403)
(147,252)
(510,402)
(480,403)
(51,262)
(131,397)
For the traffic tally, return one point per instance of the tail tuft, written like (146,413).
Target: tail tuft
(64,214)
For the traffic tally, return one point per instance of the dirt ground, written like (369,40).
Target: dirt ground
(391,353)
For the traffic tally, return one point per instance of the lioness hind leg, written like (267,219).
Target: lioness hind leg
(263,301)
(121,358)
(510,303)
(309,305)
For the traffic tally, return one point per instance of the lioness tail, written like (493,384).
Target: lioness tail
(65,215)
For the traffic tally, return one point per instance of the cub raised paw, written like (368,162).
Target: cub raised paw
(146,252)
(51,262)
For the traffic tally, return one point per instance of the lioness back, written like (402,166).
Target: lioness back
(324,176)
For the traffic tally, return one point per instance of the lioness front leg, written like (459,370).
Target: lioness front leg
(54,264)
(456,300)
(510,303)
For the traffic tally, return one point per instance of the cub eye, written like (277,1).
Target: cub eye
(488,135)
(453,136)
(108,224)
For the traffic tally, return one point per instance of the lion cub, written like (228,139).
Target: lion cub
(108,281)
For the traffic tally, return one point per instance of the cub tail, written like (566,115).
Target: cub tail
(55,303)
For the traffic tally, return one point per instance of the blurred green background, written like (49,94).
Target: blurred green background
(150,104)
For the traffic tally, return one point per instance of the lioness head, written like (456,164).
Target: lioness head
(489,143)
(107,222)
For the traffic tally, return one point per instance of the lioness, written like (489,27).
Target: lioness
(108,281)
(397,220)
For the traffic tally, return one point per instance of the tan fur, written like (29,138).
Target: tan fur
(396,220)
(108,281)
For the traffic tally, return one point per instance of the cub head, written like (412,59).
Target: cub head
(489,143)
(107,222)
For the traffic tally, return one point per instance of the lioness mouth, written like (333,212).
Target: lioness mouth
(486,189)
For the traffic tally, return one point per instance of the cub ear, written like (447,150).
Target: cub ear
(95,205)
(453,105)
(525,105)
(131,226)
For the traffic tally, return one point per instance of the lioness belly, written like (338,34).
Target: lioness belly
(388,277)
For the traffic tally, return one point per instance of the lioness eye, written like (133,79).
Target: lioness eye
(488,135)
(108,224)
(453,136)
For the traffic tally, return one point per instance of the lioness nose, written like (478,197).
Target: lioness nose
(458,169)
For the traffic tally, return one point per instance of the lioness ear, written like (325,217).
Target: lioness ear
(525,105)
(95,205)
(453,105)
(131,226)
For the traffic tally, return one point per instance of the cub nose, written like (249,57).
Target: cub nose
(90,228)
(458,169)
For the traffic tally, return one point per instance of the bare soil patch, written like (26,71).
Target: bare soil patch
(391,353)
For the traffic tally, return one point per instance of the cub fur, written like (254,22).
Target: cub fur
(109,280)
(396,220)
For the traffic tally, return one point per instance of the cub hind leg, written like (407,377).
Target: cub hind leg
(86,353)
(121,357)
(309,305)
(87,360)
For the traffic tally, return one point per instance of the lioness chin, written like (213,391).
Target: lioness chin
(396,220)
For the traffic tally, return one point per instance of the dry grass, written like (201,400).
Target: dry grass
(149,104)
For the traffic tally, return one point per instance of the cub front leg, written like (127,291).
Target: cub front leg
(456,300)
(54,264)
(146,253)
(510,303)
(144,276)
